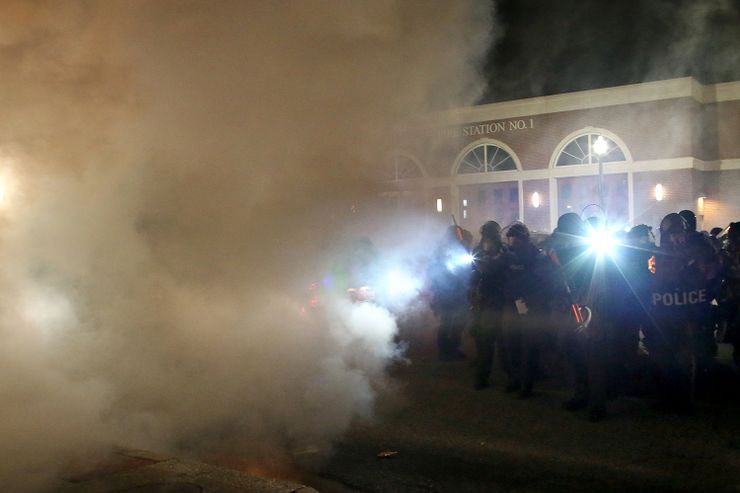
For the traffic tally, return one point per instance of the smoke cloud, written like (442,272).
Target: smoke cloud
(572,45)
(172,174)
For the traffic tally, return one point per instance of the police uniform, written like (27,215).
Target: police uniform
(527,290)
(588,278)
(449,282)
(487,302)
(629,309)
(679,304)
(729,296)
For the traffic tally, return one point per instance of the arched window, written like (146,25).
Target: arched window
(486,158)
(580,150)
(402,167)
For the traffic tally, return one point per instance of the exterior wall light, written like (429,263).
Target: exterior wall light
(439,205)
(700,203)
(536,200)
(659,192)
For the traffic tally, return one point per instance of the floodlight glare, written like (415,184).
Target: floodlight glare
(460,260)
(601,241)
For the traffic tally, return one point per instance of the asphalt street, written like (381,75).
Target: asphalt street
(452,438)
(433,432)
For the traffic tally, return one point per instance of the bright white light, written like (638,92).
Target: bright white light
(400,284)
(459,260)
(465,213)
(600,146)
(601,241)
(700,204)
(536,200)
(658,192)
(465,202)
(439,205)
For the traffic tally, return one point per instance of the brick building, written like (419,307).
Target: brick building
(670,145)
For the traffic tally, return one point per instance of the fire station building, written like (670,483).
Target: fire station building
(664,146)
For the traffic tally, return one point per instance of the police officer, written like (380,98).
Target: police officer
(449,275)
(634,256)
(486,297)
(701,253)
(678,304)
(714,238)
(583,284)
(730,293)
(526,308)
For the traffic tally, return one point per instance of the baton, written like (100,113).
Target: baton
(458,229)
(575,308)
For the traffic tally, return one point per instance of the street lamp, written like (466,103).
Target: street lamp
(600,147)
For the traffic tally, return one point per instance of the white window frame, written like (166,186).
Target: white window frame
(493,142)
(587,131)
(413,159)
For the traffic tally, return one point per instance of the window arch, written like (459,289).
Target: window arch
(403,167)
(486,157)
(578,149)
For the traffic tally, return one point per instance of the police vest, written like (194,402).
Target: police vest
(673,303)
(680,297)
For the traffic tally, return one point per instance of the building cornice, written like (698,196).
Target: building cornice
(727,91)
(686,87)
(570,171)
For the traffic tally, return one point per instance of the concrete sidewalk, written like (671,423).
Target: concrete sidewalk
(136,471)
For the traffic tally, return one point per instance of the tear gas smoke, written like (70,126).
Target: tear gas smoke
(171,172)
(617,44)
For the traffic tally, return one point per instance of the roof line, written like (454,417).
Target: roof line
(685,87)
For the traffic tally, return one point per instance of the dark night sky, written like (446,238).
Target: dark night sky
(550,47)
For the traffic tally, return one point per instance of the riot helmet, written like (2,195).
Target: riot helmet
(491,230)
(518,230)
(672,229)
(733,233)
(690,219)
(640,234)
(517,235)
(570,223)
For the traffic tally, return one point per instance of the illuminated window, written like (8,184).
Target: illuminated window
(439,205)
(486,158)
(403,168)
(581,151)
